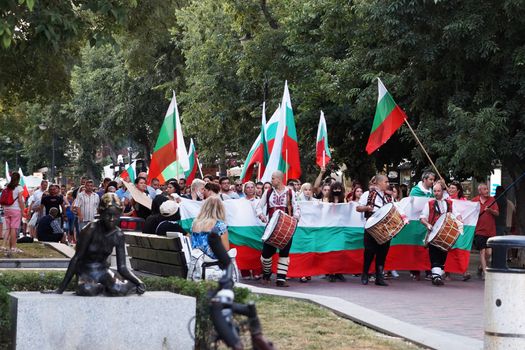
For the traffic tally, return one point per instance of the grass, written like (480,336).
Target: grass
(33,250)
(292,324)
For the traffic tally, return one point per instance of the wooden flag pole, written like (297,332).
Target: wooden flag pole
(259,172)
(324,161)
(200,168)
(425,151)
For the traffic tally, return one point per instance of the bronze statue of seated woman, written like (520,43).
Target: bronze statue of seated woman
(95,244)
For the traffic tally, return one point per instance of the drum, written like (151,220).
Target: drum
(279,230)
(445,232)
(385,223)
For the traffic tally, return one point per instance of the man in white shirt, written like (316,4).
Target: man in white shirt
(279,197)
(376,199)
(430,214)
(86,204)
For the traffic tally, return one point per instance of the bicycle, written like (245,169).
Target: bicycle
(223,308)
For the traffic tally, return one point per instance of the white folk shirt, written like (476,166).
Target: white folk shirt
(378,202)
(277,199)
(442,205)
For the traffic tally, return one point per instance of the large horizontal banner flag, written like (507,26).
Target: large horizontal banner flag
(329,237)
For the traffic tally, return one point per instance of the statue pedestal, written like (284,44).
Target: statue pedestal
(154,320)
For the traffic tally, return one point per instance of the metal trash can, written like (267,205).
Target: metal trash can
(504,296)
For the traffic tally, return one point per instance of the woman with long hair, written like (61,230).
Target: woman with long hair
(306,193)
(356,193)
(13,212)
(212,217)
(455,191)
(336,195)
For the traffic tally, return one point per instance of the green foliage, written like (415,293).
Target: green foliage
(37,281)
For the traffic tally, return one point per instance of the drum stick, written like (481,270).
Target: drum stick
(503,193)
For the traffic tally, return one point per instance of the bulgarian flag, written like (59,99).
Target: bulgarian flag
(129,174)
(285,152)
(256,154)
(322,151)
(194,164)
(169,159)
(388,118)
(7,174)
(23,183)
(329,237)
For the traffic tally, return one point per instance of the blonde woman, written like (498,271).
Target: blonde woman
(211,218)
(307,193)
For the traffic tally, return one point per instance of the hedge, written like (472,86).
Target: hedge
(12,281)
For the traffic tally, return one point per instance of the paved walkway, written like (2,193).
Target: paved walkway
(454,308)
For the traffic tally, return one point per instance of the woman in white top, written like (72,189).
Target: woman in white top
(306,193)
(13,212)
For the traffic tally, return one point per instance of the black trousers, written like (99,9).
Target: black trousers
(374,249)
(268,251)
(437,256)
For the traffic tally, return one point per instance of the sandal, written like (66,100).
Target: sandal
(16,250)
(303,279)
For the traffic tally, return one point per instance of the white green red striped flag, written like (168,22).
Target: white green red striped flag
(322,151)
(170,158)
(23,183)
(7,174)
(329,237)
(256,153)
(388,118)
(285,152)
(194,164)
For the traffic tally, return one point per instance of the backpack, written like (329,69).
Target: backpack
(7,197)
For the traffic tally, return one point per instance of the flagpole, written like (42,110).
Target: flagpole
(425,151)
(324,161)
(200,168)
(258,172)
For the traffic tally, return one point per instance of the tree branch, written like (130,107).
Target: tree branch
(271,21)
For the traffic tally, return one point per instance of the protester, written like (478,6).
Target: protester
(376,199)
(72,221)
(356,194)
(182,185)
(49,229)
(86,204)
(259,189)
(325,193)
(336,195)
(277,198)
(226,192)
(168,219)
(208,178)
(211,189)
(140,210)
(455,191)
(196,189)
(212,217)
(424,187)
(13,208)
(306,193)
(249,192)
(486,226)
(429,216)
(53,200)
(103,186)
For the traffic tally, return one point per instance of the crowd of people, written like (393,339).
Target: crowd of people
(59,213)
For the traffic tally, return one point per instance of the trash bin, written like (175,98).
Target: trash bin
(504,296)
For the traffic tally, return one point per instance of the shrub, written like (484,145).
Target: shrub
(36,281)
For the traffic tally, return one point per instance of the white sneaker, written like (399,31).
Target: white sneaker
(395,274)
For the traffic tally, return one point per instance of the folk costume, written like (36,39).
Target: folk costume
(376,199)
(271,201)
